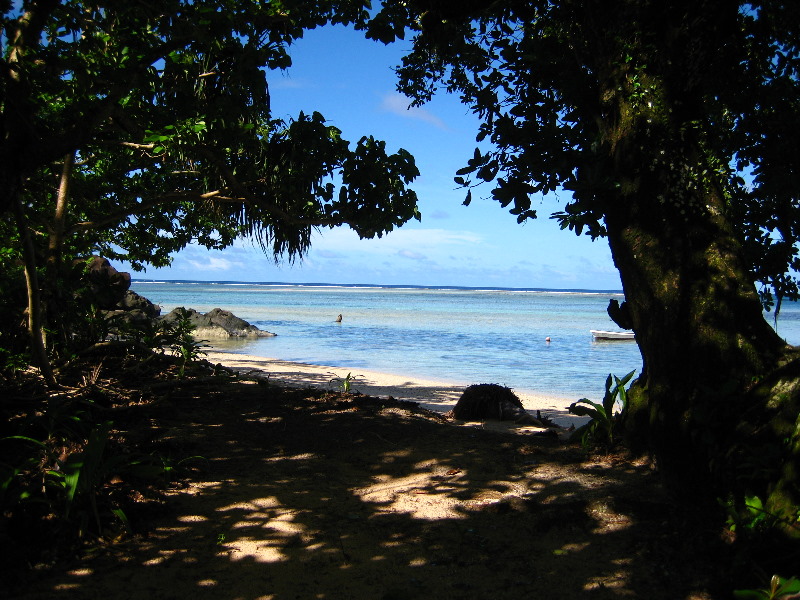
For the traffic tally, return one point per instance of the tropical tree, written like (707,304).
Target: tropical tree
(673,128)
(132,128)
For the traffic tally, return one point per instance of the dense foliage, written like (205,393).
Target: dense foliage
(128,130)
(131,129)
(559,84)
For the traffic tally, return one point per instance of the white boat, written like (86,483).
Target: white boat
(612,335)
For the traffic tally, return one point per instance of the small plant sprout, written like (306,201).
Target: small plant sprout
(344,383)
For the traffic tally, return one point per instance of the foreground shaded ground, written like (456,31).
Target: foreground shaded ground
(304,494)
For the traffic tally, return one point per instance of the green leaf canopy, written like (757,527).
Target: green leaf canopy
(166,108)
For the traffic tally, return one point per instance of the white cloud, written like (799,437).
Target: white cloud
(412,255)
(430,241)
(593,265)
(397,104)
(214,263)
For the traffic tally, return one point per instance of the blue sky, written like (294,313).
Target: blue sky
(350,81)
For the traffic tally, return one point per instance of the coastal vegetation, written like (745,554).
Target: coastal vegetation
(131,129)
(669,125)
(606,417)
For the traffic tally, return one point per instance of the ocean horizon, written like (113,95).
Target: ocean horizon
(458,334)
(373,286)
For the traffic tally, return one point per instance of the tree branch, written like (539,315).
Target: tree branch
(142,208)
(216,196)
(230,178)
(103,108)
(62,201)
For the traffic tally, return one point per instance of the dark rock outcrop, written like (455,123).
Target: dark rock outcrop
(218,324)
(134,309)
(133,301)
(492,401)
(109,290)
(106,285)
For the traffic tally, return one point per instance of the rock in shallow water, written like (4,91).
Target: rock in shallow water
(218,324)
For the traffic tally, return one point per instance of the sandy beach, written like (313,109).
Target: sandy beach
(435,395)
(287,492)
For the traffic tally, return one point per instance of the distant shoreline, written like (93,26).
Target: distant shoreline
(457,334)
(369,286)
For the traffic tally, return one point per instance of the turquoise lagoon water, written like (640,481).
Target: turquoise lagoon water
(457,335)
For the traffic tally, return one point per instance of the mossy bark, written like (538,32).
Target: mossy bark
(718,391)
(764,448)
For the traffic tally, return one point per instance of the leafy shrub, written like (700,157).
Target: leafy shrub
(69,480)
(753,517)
(779,589)
(11,363)
(605,421)
(174,335)
(178,335)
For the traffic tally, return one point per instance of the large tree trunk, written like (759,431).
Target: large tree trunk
(696,314)
(718,398)
(718,390)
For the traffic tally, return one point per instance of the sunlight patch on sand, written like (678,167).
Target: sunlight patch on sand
(423,494)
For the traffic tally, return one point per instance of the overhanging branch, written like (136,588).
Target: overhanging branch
(215,196)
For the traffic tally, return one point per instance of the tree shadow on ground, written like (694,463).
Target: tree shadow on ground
(439,396)
(333,497)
